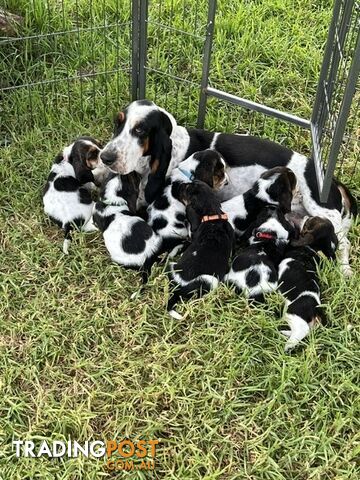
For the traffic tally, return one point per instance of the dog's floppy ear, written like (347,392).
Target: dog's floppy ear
(289,187)
(205,169)
(193,218)
(160,151)
(181,192)
(303,240)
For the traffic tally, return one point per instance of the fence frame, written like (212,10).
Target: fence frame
(326,79)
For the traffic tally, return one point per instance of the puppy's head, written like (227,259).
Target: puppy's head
(118,189)
(199,200)
(85,152)
(276,187)
(270,226)
(319,234)
(208,166)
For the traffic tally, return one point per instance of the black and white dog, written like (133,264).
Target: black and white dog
(66,198)
(254,271)
(298,278)
(274,187)
(167,215)
(130,241)
(205,262)
(148,140)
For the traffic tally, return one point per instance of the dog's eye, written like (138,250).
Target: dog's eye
(138,130)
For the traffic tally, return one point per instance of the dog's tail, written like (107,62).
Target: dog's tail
(67,237)
(348,198)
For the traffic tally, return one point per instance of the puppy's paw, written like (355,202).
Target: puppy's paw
(286,333)
(66,245)
(289,345)
(346,270)
(176,315)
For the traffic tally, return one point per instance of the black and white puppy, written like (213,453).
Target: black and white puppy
(274,187)
(254,271)
(148,140)
(66,198)
(205,262)
(167,215)
(130,241)
(298,278)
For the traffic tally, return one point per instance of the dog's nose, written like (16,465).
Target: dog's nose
(108,157)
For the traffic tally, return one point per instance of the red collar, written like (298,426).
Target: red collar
(209,218)
(265,235)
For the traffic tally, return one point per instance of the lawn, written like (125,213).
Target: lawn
(78,358)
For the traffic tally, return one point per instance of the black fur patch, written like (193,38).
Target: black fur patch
(241,224)
(161,203)
(135,242)
(179,225)
(252,278)
(66,184)
(181,217)
(103,222)
(85,196)
(51,177)
(159,223)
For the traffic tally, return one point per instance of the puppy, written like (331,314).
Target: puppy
(66,198)
(130,241)
(254,269)
(206,261)
(166,215)
(298,278)
(274,187)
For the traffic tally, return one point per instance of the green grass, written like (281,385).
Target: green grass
(78,358)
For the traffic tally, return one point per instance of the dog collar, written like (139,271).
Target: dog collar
(209,218)
(265,236)
(187,174)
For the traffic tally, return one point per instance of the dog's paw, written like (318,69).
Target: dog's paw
(66,245)
(290,345)
(346,270)
(175,314)
(286,333)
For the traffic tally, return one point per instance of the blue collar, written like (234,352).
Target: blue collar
(187,174)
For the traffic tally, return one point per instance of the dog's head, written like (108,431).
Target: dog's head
(276,187)
(141,130)
(319,234)
(200,200)
(118,189)
(270,226)
(207,166)
(83,154)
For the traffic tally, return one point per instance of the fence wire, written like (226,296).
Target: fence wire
(84,59)
(336,114)
(67,59)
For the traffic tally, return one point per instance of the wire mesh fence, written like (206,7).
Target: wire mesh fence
(336,113)
(68,59)
(86,58)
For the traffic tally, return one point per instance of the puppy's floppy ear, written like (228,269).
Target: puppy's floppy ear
(205,171)
(160,151)
(303,240)
(181,192)
(134,182)
(285,200)
(193,218)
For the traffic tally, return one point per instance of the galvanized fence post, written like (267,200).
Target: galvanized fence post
(206,63)
(341,120)
(135,50)
(143,47)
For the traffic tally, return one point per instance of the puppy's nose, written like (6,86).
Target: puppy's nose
(108,157)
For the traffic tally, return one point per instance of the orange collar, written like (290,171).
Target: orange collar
(209,218)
